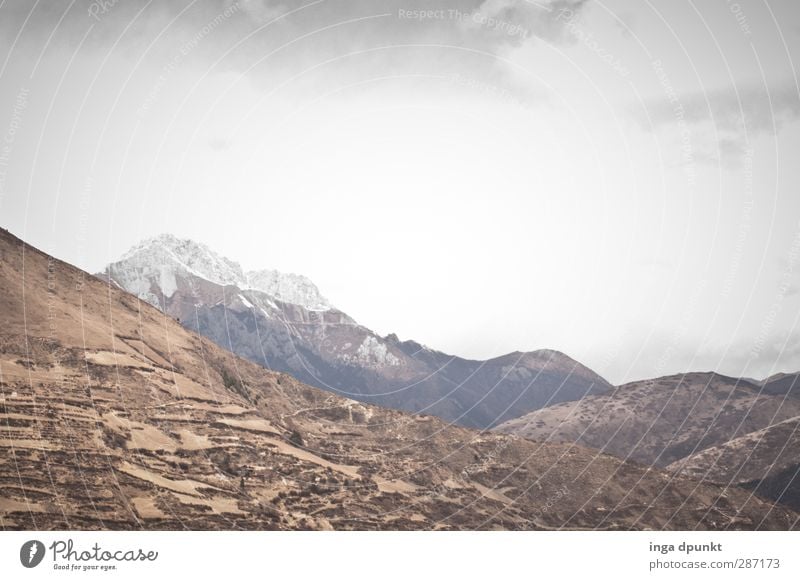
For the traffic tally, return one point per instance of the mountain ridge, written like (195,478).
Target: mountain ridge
(766,460)
(659,421)
(113,416)
(188,256)
(325,347)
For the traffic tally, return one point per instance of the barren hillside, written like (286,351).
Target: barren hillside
(659,421)
(113,416)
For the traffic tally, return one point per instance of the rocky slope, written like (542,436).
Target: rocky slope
(282,322)
(113,416)
(766,461)
(782,384)
(660,421)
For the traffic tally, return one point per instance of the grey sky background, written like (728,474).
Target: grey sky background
(617,180)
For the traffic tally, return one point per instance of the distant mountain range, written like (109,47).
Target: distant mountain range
(114,416)
(716,428)
(283,322)
(766,461)
(730,431)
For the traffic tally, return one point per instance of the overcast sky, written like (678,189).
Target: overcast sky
(618,180)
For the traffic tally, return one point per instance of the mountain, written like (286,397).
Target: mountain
(113,416)
(282,322)
(766,461)
(156,268)
(782,384)
(659,421)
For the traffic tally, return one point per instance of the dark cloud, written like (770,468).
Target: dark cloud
(333,26)
(338,41)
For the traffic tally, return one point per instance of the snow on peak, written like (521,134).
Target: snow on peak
(184,256)
(160,260)
(291,288)
(372,353)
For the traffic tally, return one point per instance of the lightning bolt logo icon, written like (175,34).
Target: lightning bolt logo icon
(31,553)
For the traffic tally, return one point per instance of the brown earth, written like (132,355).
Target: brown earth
(766,461)
(659,421)
(113,416)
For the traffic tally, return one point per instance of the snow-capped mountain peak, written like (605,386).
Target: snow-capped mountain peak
(291,288)
(184,256)
(161,260)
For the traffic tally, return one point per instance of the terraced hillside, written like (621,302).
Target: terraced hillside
(112,416)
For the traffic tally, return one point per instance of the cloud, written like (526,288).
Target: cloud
(475,23)
(780,352)
(737,115)
(751,110)
(333,26)
(514,21)
(260,11)
(303,46)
